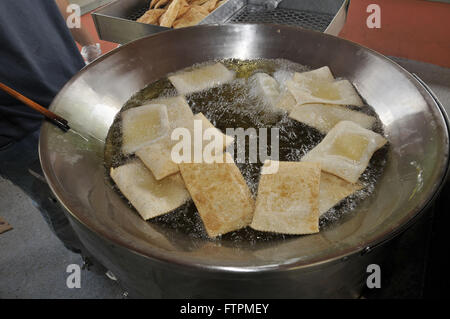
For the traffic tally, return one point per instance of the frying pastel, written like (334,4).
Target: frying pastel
(288,200)
(319,86)
(220,194)
(157,156)
(201,78)
(150,197)
(346,150)
(265,87)
(333,190)
(324,117)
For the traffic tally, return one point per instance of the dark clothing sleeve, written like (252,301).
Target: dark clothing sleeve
(37,57)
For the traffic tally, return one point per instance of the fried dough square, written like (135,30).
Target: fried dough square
(198,2)
(333,190)
(153,3)
(220,194)
(143,125)
(346,150)
(288,200)
(265,87)
(206,124)
(157,156)
(324,117)
(159,3)
(151,16)
(286,101)
(322,74)
(209,148)
(201,78)
(319,86)
(150,197)
(339,92)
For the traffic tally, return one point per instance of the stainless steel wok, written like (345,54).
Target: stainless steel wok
(153,261)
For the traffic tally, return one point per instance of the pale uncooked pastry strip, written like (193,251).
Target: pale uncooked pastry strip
(150,197)
(333,190)
(265,87)
(211,142)
(288,200)
(282,76)
(220,194)
(322,74)
(201,78)
(346,150)
(157,156)
(159,3)
(206,124)
(338,92)
(286,101)
(143,125)
(324,117)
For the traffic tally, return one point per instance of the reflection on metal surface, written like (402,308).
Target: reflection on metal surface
(419,185)
(90,113)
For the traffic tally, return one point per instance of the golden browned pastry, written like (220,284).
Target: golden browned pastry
(192,17)
(210,5)
(220,193)
(178,13)
(151,16)
(168,18)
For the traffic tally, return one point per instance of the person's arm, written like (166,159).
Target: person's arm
(90,49)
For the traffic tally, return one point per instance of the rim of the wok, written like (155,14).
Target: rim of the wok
(171,258)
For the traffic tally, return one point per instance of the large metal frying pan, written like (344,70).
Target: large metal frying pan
(152,260)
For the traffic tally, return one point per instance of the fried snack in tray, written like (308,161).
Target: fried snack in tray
(192,17)
(161,3)
(169,17)
(198,2)
(209,5)
(151,16)
(178,13)
(183,9)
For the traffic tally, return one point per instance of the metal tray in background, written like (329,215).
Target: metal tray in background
(116,22)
